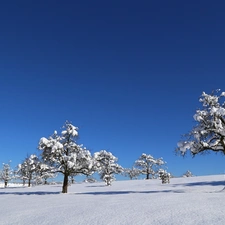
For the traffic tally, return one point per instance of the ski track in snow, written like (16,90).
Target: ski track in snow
(193,200)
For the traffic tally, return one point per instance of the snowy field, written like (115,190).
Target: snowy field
(10,185)
(195,200)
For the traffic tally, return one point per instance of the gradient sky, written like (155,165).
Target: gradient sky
(129,74)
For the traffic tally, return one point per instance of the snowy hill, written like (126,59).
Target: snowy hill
(192,200)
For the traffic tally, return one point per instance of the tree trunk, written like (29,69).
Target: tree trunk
(29,182)
(65,183)
(6,182)
(147,177)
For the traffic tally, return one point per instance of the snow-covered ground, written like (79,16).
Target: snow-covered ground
(12,185)
(193,200)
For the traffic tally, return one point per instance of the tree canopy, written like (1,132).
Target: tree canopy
(209,132)
(63,153)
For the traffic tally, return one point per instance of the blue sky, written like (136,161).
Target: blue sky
(127,73)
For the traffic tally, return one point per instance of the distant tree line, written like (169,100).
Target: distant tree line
(61,154)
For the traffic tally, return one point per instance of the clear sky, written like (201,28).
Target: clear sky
(128,73)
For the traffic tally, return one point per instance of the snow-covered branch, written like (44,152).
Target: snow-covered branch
(65,155)
(209,133)
(6,173)
(105,164)
(149,165)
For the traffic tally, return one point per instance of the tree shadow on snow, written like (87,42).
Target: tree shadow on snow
(128,192)
(203,183)
(8,188)
(102,185)
(30,193)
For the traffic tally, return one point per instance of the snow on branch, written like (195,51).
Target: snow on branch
(149,165)
(105,164)
(65,155)
(209,132)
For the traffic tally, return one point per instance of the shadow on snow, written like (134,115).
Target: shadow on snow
(30,193)
(128,192)
(204,183)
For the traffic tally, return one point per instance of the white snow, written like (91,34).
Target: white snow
(189,200)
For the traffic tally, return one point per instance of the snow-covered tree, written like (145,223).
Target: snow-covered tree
(209,132)
(188,173)
(149,165)
(6,173)
(72,179)
(164,176)
(28,169)
(106,165)
(63,153)
(45,172)
(90,179)
(132,172)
